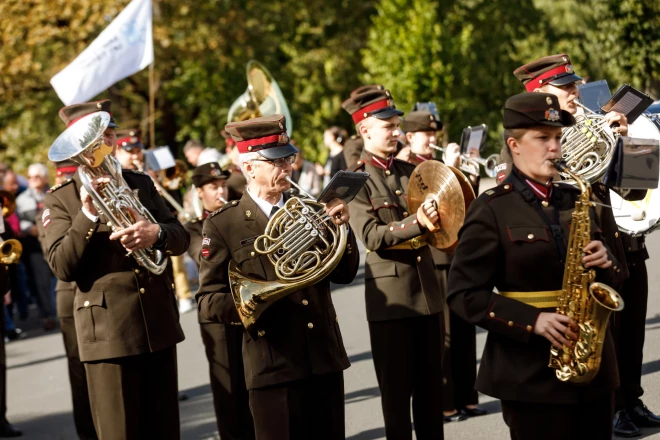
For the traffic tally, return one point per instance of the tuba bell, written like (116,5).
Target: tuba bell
(304,246)
(10,250)
(175,177)
(263,97)
(83,143)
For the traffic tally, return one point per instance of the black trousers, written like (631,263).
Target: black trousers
(135,397)
(224,345)
(540,421)
(82,410)
(630,330)
(408,359)
(306,409)
(459,368)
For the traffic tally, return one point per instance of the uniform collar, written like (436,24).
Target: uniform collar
(205,214)
(266,207)
(543,191)
(421,157)
(378,162)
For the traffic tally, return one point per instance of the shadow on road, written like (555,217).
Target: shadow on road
(651,367)
(359,396)
(48,427)
(38,361)
(371,434)
(366,355)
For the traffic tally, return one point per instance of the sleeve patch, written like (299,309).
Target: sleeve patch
(45,218)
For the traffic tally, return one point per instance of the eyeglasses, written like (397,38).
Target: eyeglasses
(35,177)
(281,162)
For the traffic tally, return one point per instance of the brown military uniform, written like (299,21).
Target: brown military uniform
(130,362)
(403,298)
(236,184)
(224,346)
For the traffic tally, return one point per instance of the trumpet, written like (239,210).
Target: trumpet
(471,165)
(163,192)
(10,250)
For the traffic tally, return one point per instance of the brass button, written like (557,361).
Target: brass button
(529,328)
(397,192)
(386,204)
(141,289)
(615,268)
(391,228)
(137,271)
(310,325)
(405,213)
(419,259)
(172,285)
(507,186)
(86,304)
(530,236)
(616,235)
(261,333)
(359,162)
(414,222)
(510,323)
(491,314)
(388,172)
(91,230)
(252,254)
(305,302)
(336,318)
(545,203)
(618,270)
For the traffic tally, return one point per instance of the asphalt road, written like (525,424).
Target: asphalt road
(39,400)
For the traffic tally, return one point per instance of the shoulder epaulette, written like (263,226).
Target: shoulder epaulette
(358,165)
(224,208)
(496,191)
(60,185)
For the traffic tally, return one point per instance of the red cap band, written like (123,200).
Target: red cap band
(541,79)
(129,140)
(66,170)
(363,113)
(256,143)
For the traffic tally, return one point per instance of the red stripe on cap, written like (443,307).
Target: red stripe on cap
(256,143)
(67,170)
(80,117)
(127,139)
(541,79)
(363,113)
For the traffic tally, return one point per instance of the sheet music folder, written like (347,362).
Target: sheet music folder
(635,164)
(629,101)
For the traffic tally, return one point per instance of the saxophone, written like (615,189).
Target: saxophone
(586,302)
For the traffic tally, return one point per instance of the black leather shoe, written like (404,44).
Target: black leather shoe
(7,430)
(474,412)
(456,417)
(643,417)
(623,426)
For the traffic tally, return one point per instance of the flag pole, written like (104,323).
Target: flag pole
(152,107)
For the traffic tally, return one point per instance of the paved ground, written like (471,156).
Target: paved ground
(40,404)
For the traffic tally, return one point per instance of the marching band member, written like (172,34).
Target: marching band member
(125,316)
(507,242)
(554,74)
(294,368)
(459,398)
(223,342)
(403,293)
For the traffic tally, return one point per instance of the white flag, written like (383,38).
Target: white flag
(122,49)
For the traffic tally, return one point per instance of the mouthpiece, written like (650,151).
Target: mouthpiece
(559,164)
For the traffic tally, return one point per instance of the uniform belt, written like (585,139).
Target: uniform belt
(413,243)
(541,299)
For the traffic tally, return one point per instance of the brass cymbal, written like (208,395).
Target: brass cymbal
(433,180)
(468,196)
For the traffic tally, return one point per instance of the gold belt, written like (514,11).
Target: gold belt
(542,299)
(413,243)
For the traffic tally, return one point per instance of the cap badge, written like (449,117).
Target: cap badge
(548,100)
(552,115)
(565,59)
(134,140)
(283,139)
(99,106)
(569,68)
(433,125)
(215,172)
(248,213)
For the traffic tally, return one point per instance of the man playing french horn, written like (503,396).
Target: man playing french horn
(125,313)
(293,352)
(403,291)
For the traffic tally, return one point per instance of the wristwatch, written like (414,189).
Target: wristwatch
(161,241)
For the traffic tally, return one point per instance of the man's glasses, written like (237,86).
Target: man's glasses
(281,162)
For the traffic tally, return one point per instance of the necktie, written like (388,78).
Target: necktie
(273,211)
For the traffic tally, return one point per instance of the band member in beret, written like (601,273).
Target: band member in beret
(125,316)
(459,398)
(514,239)
(64,296)
(403,292)
(294,364)
(554,74)
(223,342)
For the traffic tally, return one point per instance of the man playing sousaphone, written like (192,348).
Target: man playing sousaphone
(125,316)
(403,293)
(294,362)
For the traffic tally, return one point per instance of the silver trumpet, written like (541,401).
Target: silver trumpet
(83,143)
(471,165)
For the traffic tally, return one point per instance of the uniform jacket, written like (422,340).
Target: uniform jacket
(120,308)
(505,244)
(398,283)
(194,228)
(298,335)
(235,184)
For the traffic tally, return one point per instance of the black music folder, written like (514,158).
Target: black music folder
(629,101)
(344,185)
(474,138)
(635,164)
(159,158)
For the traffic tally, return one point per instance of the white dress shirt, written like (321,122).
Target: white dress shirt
(266,207)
